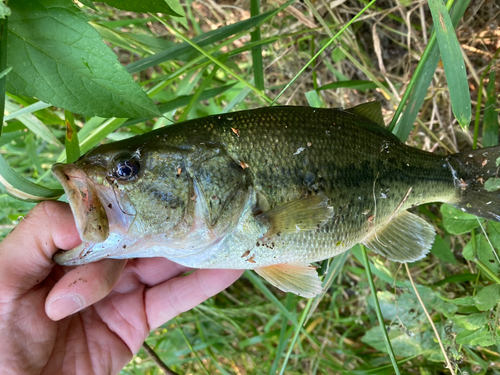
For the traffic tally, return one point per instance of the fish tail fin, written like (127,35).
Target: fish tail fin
(476,178)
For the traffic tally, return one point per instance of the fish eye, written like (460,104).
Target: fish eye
(126,169)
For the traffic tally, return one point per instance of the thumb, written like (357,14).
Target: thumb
(26,253)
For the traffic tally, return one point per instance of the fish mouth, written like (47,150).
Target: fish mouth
(90,215)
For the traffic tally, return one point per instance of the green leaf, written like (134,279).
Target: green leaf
(33,124)
(481,337)
(456,221)
(488,297)
(19,187)
(483,251)
(352,84)
(203,40)
(490,120)
(88,3)
(148,6)
(57,57)
(313,99)
(494,233)
(464,301)
(258,68)
(4,10)
(416,92)
(453,62)
(182,101)
(441,249)
(405,343)
(472,321)
(492,184)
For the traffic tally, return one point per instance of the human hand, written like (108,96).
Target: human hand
(118,302)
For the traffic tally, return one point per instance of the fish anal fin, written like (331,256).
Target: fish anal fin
(372,111)
(301,279)
(298,215)
(407,238)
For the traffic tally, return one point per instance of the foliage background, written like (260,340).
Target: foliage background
(253,328)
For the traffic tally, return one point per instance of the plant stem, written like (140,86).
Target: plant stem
(322,49)
(448,363)
(157,359)
(378,311)
(297,331)
(191,347)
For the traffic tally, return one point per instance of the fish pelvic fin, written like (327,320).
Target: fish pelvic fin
(407,238)
(476,176)
(301,279)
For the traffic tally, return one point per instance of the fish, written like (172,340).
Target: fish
(272,189)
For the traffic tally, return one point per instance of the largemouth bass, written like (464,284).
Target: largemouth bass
(270,189)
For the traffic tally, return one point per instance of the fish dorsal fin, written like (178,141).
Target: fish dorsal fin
(301,279)
(298,215)
(407,238)
(372,111)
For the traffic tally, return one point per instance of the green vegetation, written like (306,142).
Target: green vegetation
(67,91)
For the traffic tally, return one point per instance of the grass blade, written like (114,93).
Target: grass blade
(199,91)
(216,61)
(184,100)
(416,91)
(3,66)
(256,280)
(453,62)
(203,40)
(448,363)
(378,311)
(29,109)
(71,140)
(490,120)
(303,317)
(352,84)
(328,44)
(334,269)
(18,187)
(258,69)
(34,124)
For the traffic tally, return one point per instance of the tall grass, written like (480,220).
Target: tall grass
(330,54)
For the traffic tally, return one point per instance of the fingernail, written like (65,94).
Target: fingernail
(64,306)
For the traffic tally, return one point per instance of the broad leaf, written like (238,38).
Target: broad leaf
(494,233)
(481,337)
(472,321)
(57,57)
(488,297)
(484,252)
(492,184)
(441,249)
(4,10)
(456,221)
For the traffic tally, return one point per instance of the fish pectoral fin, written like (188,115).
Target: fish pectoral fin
(301,279)
(298,215)
(407,238)
(372,111)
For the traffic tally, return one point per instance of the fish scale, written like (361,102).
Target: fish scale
(270,189)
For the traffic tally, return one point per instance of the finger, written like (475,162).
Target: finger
(26,253)
(153,271)
(169,299)
(83,286)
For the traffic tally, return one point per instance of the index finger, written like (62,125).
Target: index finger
(26,253)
